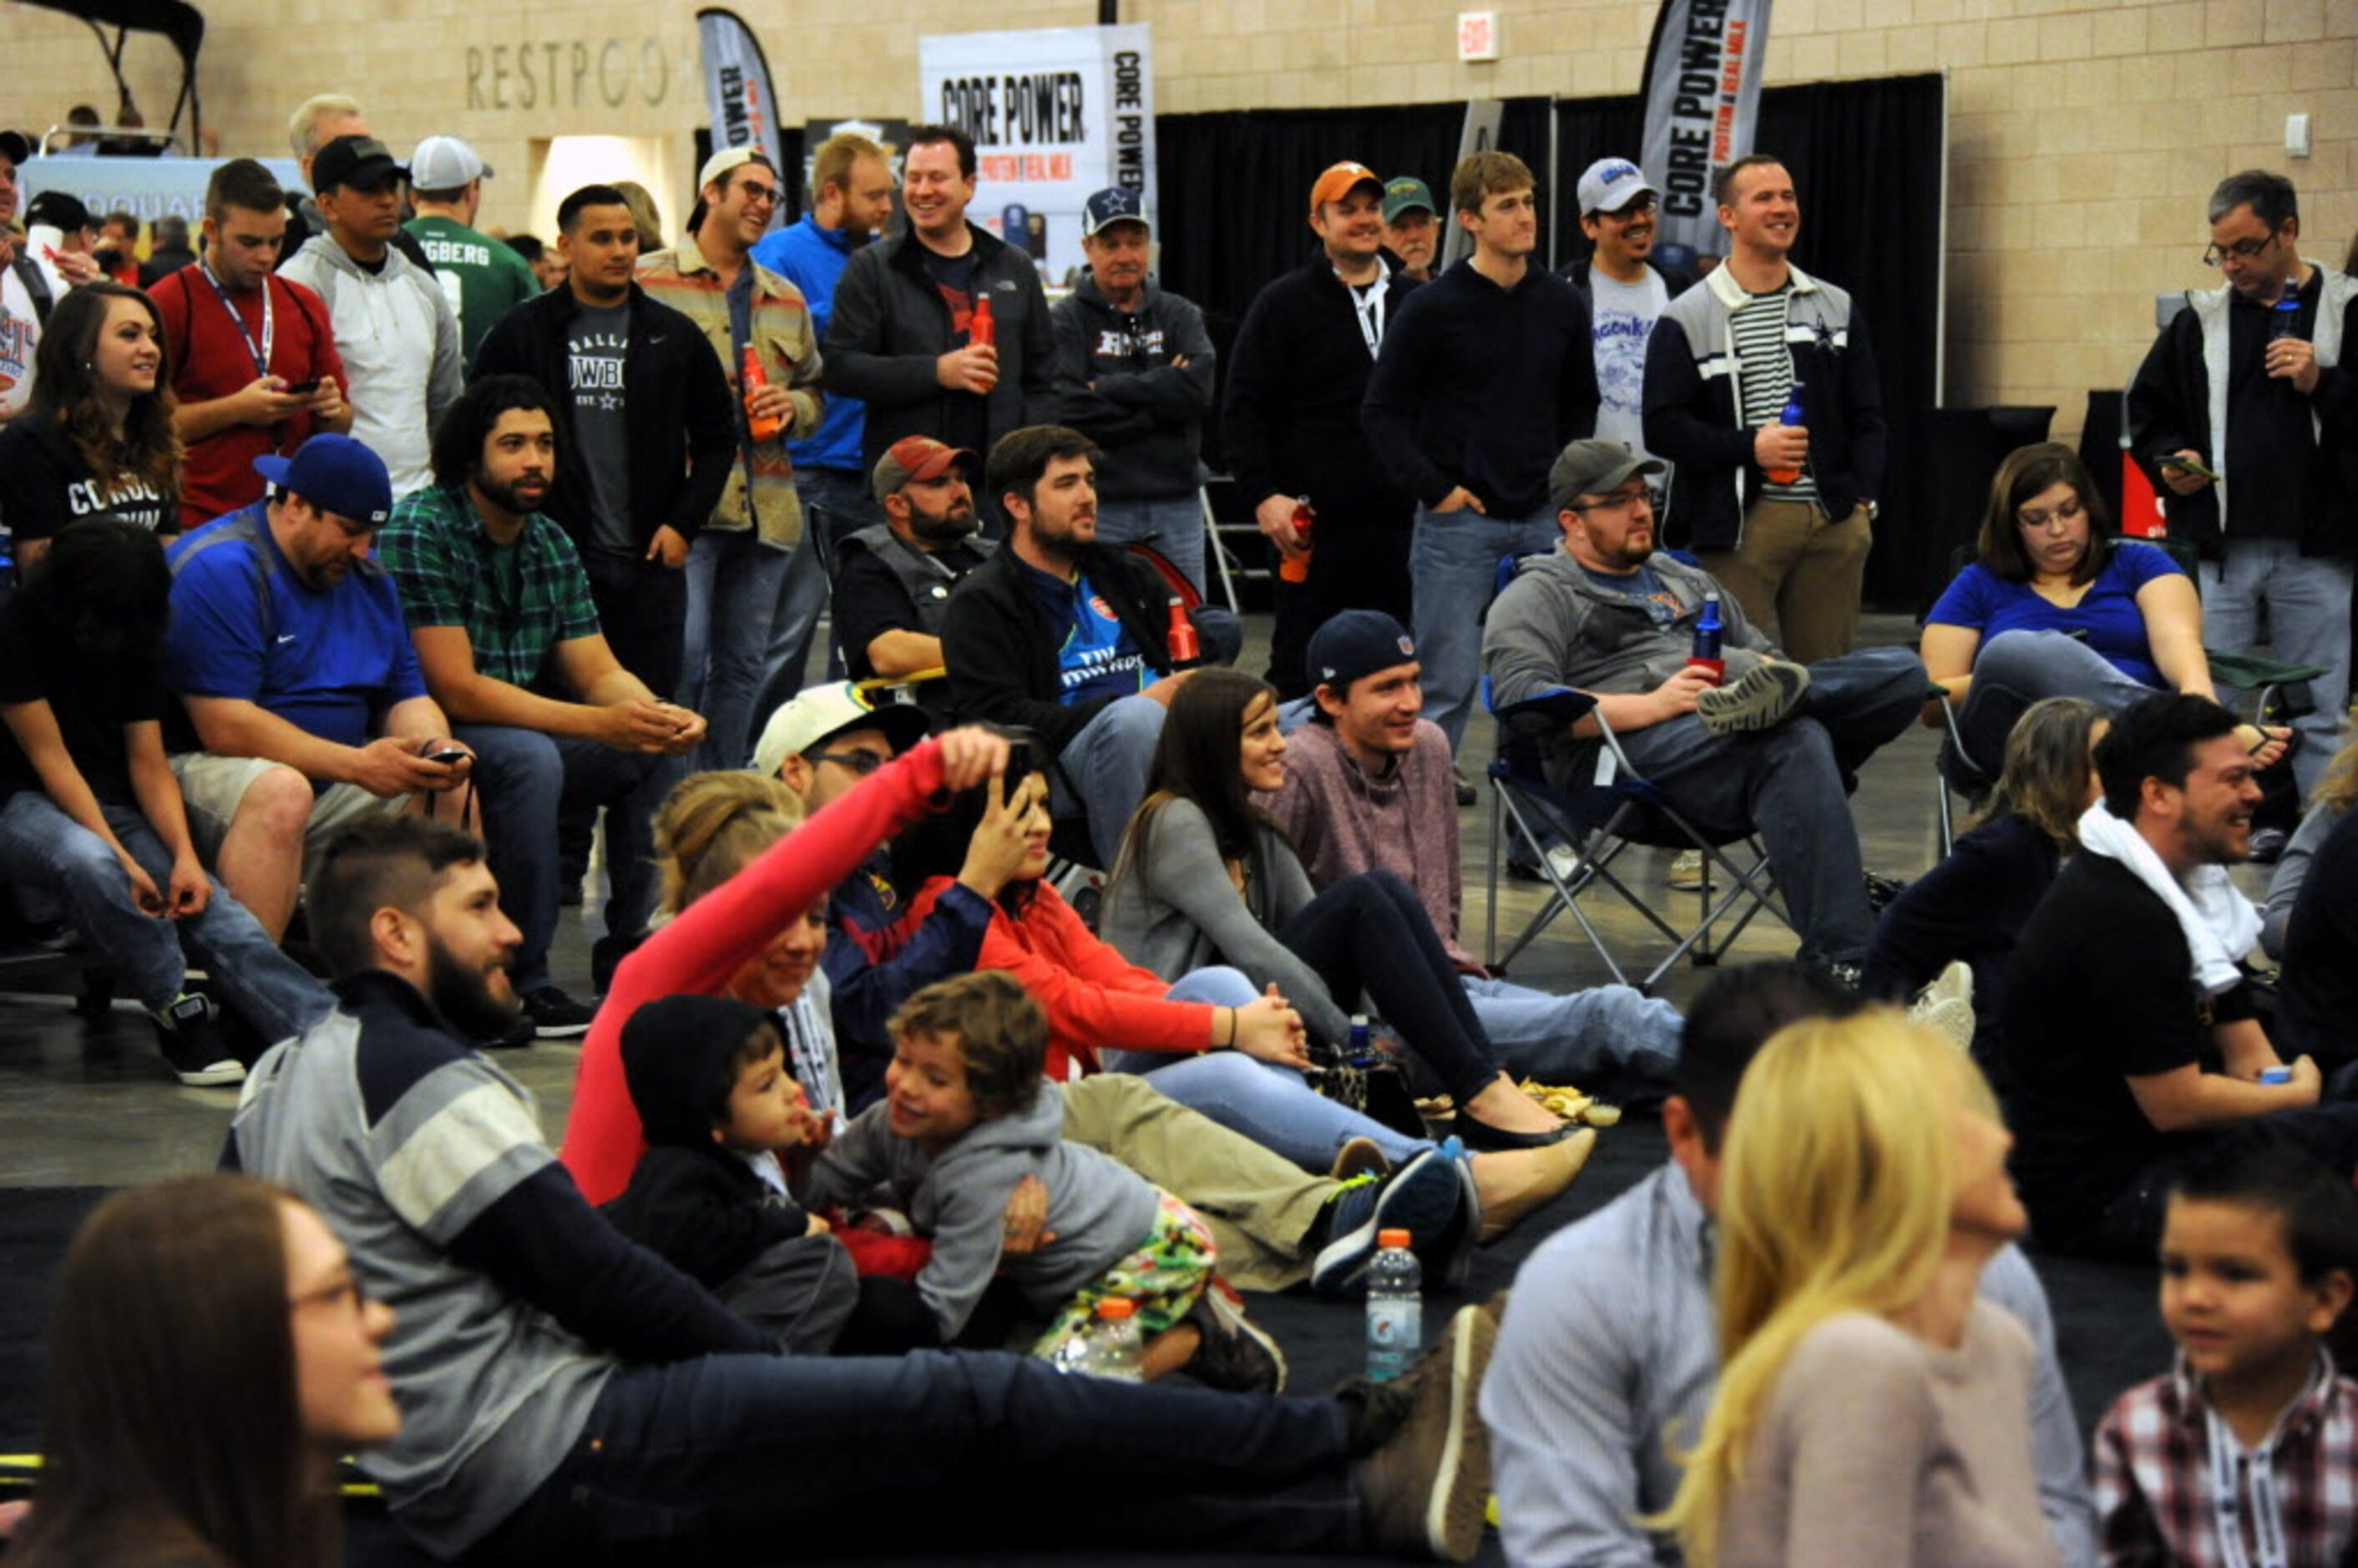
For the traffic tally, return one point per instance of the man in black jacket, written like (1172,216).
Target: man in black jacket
(646,429)
(1062,636)
(901,338)
(1297,374)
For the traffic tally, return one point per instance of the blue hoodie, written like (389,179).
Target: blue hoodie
(813,258)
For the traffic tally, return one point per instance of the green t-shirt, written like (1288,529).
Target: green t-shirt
(481,278)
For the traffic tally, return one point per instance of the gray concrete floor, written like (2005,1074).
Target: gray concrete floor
(92,1103)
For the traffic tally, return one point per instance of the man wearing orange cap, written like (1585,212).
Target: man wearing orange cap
(1296,378)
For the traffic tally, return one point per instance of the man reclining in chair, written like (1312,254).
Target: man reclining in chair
(1774,749)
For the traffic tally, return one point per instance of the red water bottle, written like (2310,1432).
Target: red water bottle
(750,380)
(982,328)
(1296,568)
(1186,648)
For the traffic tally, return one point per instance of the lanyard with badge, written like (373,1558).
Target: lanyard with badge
(269,319)
(1368,305)
(2226,1501)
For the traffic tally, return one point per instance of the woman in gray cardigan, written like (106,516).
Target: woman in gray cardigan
(1204,878)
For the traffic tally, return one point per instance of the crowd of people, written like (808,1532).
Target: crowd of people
(368,570)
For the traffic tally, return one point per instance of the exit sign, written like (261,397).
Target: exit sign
(1477,34)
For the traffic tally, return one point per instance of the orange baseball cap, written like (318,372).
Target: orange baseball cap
(1339,180)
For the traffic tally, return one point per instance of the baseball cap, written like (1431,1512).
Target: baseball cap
(60,210)
(1115,206)
(914,459)
(1406,193)
(727,159)
(445,163)
(358,161)
(1356,644)
(1591,468)
(334,473)
(816,712)
(16,147)
(1339,180)
(1612,183)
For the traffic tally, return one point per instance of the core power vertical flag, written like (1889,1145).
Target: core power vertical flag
(737,88)
(1702,100)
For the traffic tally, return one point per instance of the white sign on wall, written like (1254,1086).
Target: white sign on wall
(1055,113)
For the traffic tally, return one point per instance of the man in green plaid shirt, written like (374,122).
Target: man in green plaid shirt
(499,606)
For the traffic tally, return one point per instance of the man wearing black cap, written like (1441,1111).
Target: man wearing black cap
(1134,374)
(893,579)
(394,329)
(1775,750)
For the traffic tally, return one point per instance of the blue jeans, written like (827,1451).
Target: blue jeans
(1603,1033)
(2308,602)
(1267,1103)
(733,596)
(1173,524)
(1453,564)
(837,504)
(1101,772)
(2015,669)
(1791,783)
(41,847)
(726,1456)
(528,781)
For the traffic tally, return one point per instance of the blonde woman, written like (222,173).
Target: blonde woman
(1872,1410)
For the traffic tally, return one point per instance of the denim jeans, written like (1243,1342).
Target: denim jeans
(1791,783)
(2308,602)
(529,781)
(42,847)
(1454,562)
(1603,1034)
(726,1456)
(1267,1103)
(1173,524)
(732,597)
(837,504)
(2015,669)
(1101,772)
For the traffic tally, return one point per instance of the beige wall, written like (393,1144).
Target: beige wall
(2085,136)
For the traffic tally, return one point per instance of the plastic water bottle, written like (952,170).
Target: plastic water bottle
(1361,1052)
(1793,414)
(1395,1307)
(2284,318)
(1109,1346)
(1708,635)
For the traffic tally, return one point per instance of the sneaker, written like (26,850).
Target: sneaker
(1883,891)
(1359,1157)
(1424,1489)
(2268,846)
(1562,860)
(514,1037)
(1466,793)
(1763,697)
(1238,1356)
(1686,871)
(1422,1198)
(193,1044)
(555,1015)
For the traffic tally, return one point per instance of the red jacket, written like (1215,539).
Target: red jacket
(1094,997)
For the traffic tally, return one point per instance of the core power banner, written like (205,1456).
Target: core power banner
(1055,113)
(736,89)
(1702,100)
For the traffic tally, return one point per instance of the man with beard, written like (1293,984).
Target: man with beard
(1411,226)
(893,579)
(306,708)
(501,613)
(1627,287)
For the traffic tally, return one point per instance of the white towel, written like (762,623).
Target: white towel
(2221,924)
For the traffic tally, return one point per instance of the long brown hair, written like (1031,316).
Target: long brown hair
(66,394)
(1199,759)
(2027,472)
(172,1422)
(2045,780)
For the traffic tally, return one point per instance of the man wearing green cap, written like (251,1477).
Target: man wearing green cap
(1411,226)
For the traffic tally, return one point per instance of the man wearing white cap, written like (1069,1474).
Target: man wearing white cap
(483,278)
(1626,287)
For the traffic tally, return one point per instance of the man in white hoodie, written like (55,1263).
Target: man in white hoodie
(393,326)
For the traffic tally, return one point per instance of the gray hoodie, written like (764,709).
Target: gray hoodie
(399,343)
(1099,1211)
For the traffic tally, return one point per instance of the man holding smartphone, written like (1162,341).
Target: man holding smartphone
(253,356)
(2242,408)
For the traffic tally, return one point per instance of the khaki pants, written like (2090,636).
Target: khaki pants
(1797,575)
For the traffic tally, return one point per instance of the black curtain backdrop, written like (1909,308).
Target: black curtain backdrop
(1865,155)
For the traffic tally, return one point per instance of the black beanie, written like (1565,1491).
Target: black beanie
(676,1057)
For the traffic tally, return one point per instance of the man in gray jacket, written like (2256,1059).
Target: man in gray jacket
(393,326)
(1775,750)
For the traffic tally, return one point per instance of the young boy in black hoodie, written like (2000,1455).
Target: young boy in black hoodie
(709,1077)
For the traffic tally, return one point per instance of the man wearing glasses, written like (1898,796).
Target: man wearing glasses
(736,563)
(1627,287)
(2243,410)
(1774,748)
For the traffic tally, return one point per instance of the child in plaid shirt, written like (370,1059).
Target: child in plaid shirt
(2245,1453)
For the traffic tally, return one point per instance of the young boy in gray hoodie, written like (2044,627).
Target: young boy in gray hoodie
(966,1116)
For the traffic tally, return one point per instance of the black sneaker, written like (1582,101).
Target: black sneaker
(193,1044)
(2268,846)
(1238,1356)
(555,1015)
(1422,1198)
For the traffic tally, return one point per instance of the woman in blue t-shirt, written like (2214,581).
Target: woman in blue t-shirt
(2056,606)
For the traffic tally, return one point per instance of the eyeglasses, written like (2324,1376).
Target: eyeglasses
(2242,250)
(861,762)
(2066,514)
(345,1291)
(758,194)
(1642,206)
(1621,501)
